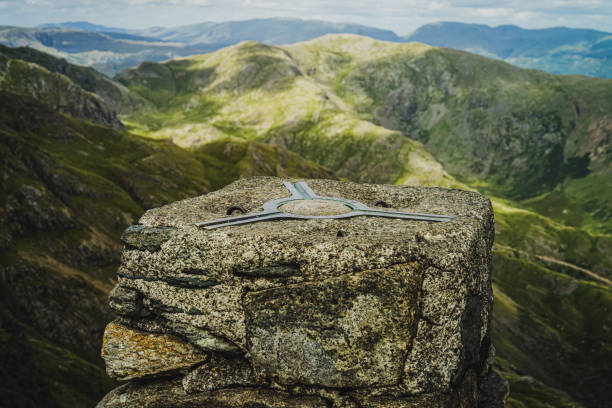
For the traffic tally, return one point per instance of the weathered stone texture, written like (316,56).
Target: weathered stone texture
(130,353)
(394,313)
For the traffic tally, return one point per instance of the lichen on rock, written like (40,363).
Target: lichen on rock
(395,313)
(130,353)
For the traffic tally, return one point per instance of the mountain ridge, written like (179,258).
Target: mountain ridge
(113,93)
(558,50)
(272,31)
(345,84)
(57,90)
(347,101)
(86,26)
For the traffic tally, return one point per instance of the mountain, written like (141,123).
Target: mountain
(68,187)
(57,90)
(86,26)
(558,50)
(349,102)
(369,110)
(271,31)
(112,93)
(413,114)
(110,50)
(108,53)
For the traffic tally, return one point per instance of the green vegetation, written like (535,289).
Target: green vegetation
(69,188)
(535,141)
(89,79)
(551,326)
(370,112)
(55,90)
(348,102)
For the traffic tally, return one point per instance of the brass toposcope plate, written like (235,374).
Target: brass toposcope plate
(305,204)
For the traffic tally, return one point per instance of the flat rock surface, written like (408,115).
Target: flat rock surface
(371,242)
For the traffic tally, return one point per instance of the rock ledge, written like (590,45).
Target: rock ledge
(291,313)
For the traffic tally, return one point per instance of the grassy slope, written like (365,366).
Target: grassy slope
(258,92)
(346,102)
(552,320)
(516,133)
(55,90)
(113,93)
(68,189)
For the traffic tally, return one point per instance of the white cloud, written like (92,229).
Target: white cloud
(402,16)
(493,12)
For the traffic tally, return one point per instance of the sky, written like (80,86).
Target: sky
(403,17)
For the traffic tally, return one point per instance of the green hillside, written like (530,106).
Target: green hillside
(56,90)
(87,78)
(511,132)
(68,188)
(258,92)
(410,113)
(369,111)
(525,135)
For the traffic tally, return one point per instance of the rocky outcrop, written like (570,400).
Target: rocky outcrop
(291,313)
(55,90)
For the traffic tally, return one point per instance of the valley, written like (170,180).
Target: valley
(84,155)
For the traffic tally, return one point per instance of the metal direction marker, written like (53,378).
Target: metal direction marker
(301,191)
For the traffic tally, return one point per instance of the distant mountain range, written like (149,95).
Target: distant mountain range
(273,31)
(86,26)
(108,53)
(111,49)
(558,50)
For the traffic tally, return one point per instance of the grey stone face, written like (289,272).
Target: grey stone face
(392,313)
(147,238)
(344,332)
(126,302)
(219,372)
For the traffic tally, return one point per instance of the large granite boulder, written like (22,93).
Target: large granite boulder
(363,311)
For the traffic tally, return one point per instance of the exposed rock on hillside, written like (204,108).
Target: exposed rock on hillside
(54,90)
(114,94)
(292,313)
